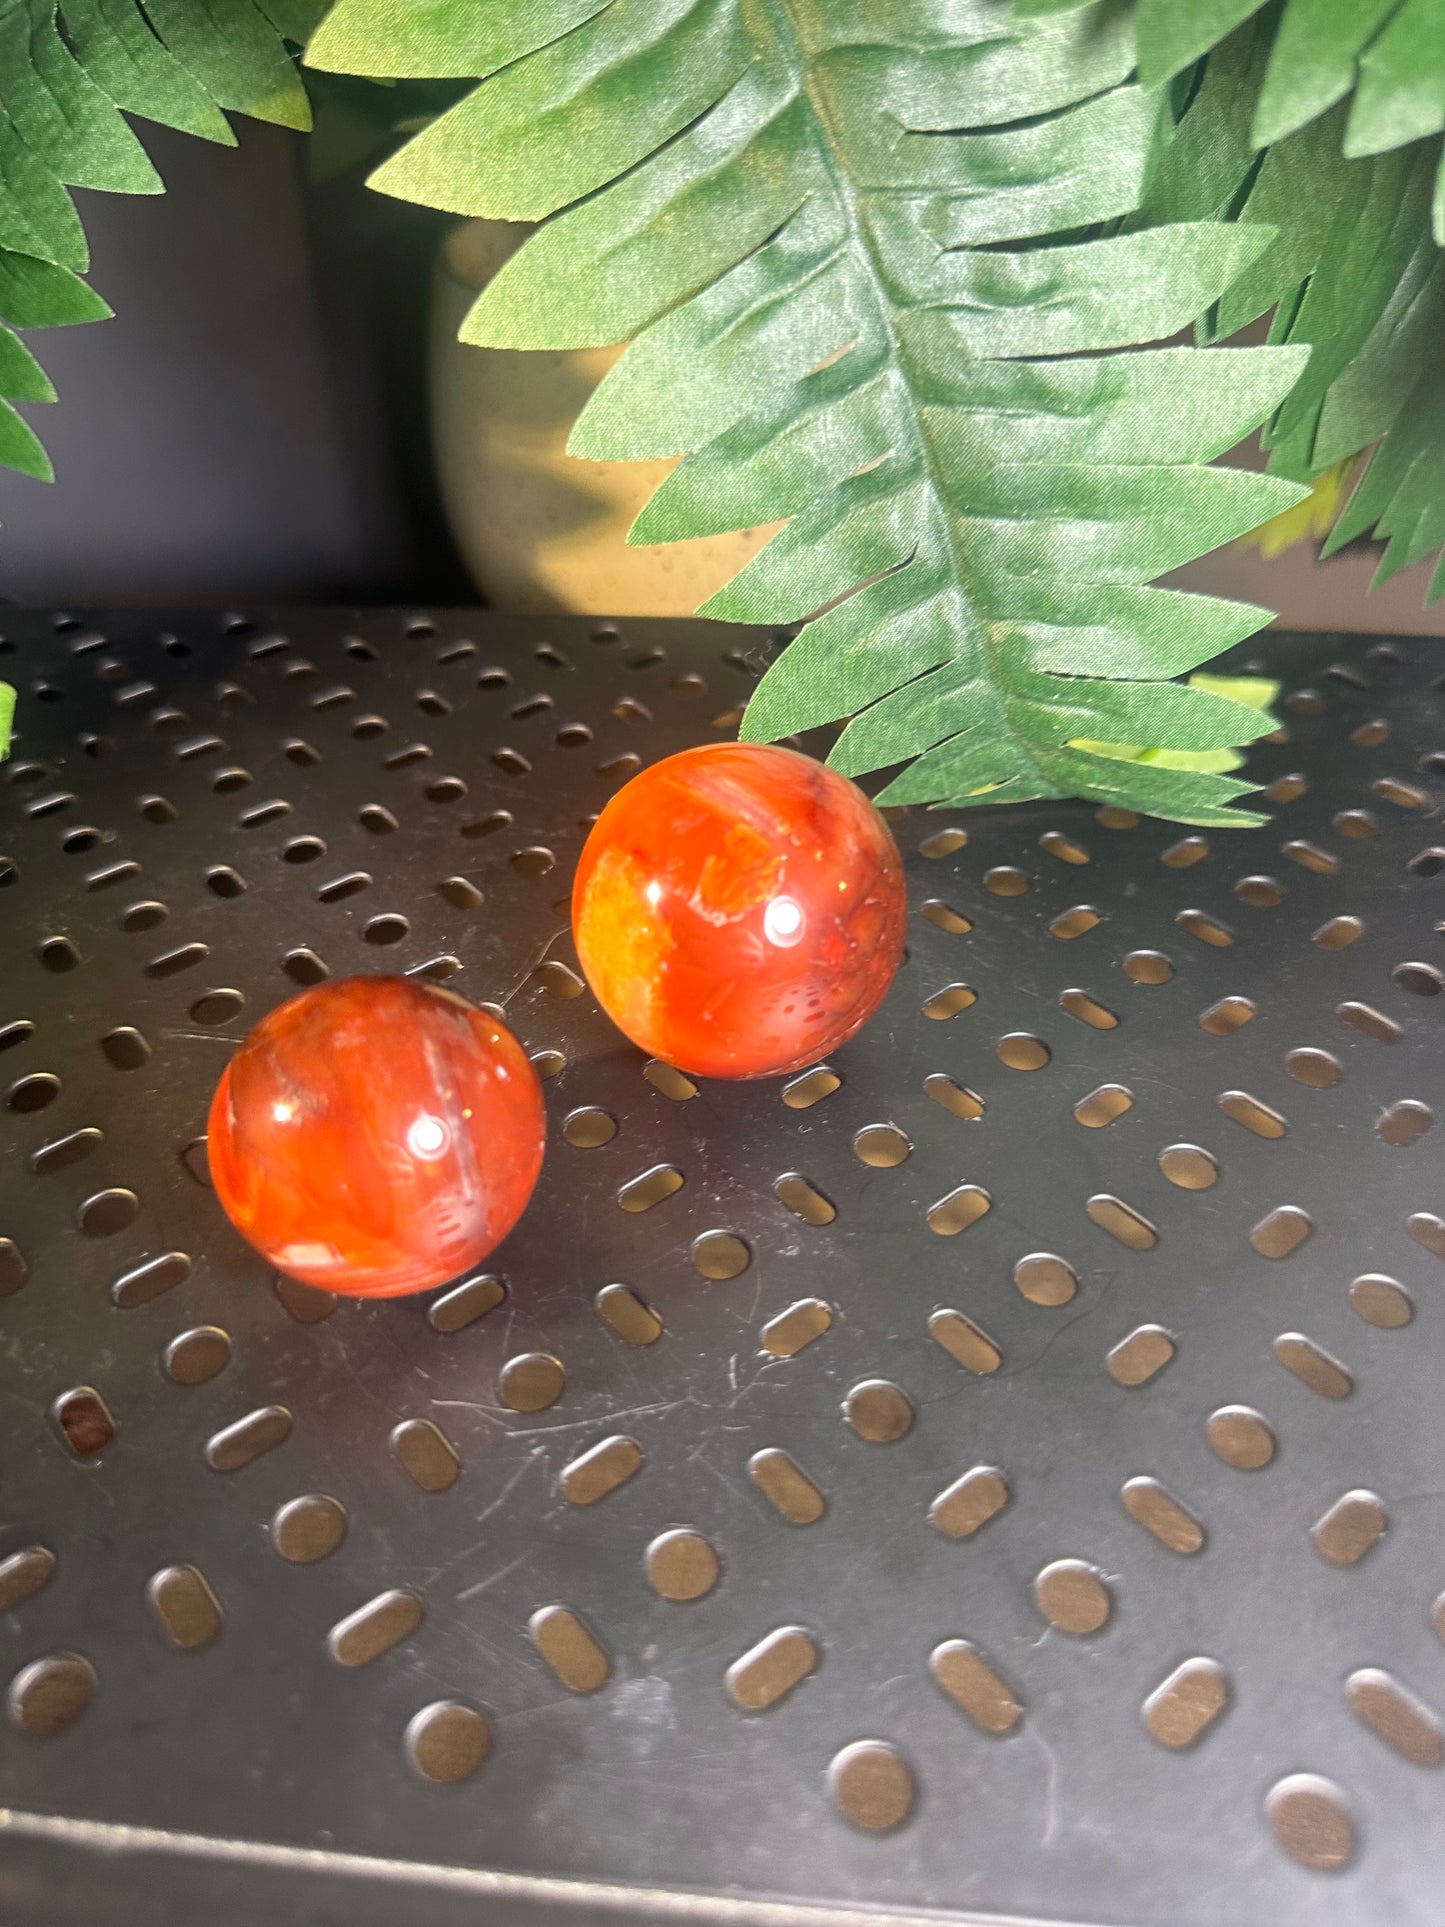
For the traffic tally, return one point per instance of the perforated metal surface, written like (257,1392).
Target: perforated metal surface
(1052,1402)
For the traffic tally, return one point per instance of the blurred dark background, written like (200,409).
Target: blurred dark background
(252,423)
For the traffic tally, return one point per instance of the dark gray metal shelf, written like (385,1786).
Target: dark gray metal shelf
(1257,1010)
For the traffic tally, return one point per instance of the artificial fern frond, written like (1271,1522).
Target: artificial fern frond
(1258,691)
(1385,58)
(66,74)
(33,294)
(864,262)
(1353,272)
(1367,258)
(21,379)
(1401,495)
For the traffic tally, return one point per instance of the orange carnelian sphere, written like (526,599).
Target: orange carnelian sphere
(376,1136)
(739,910)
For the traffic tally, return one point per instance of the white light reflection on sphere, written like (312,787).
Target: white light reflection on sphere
(783,922)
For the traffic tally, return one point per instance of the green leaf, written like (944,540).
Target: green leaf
(7,715)
(665,229)
(864,264)
(1305,191)
(1365,399)
(1207,161)
(20,446)
(1388,54)
(294,19)
(236,54)
(1401,492)
(1354,270)
(21,376)
(1359,269)
(967,71)
(37,294)
(789,306)
(1070,299)
(1174,33)
(1102,411)
(58,111)
(37,216)
(1399,96)
(1314,59)
(21,379)
(543,133)
(1071,169)
(65,76)
(449,39)
(1255,692)
(124,58)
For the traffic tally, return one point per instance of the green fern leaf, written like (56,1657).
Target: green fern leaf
(1316,55)
(37,216)
(1306,192)
(22,379)
(21,447)
(1353,272)
(232,49)
(21,376)
(1367,399)
(59,113)
(38,294)
(1400,497)
(1210,155)
(128,63)
(441,39)
(294,20)
(33,294)
(1399,96)
(1173,34)
(1359,269)
(812,230)
(66,74)
(1384,58)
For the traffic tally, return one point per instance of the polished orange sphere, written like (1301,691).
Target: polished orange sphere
(376,1136)
(739,910)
